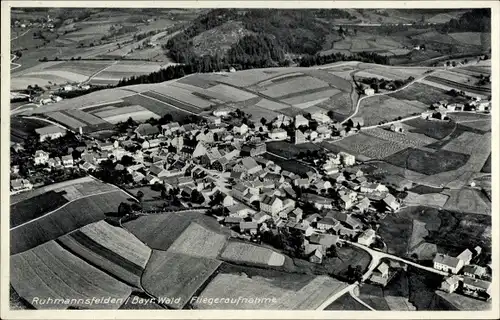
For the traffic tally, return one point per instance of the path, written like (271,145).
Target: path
(96,73)
(19,36)
(355,297)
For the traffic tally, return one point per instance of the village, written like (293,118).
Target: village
(217,161)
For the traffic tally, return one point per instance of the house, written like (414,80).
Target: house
(305,229)
(474,271)
(327,223)
(465,256)
(19,185)
(347,159)
(311,219)
(363,205)
(150,179)
(250,165)
(145,130)
(50,132)
(391,202)
(272,205)
(278,134)
(450,284)
(397,127)
(253,149)
(296,215)
(381,274)
(250,227)
(477,286)
(324,239)
(228,201)
(261,217)
(345,201)
(240,210)
(137,176)
(369,91)
(240,129)
(41,157)
(300,120)
(222,112)
(367,237)
(86,166)
(317,256)
(321,117)
(56,98)
(355,122)
(170,128)
(446,263)
(299,137)
(233,221)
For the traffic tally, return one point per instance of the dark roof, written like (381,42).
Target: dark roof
(146,129)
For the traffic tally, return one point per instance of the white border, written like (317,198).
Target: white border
(185,314)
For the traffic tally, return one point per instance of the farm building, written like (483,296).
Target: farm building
(381,274)
(367,237)
(356,122)
(477,286)
(446,263)
(50,132)
(300,120)
(450,284)
(474,271)
(321,117)
(369,91)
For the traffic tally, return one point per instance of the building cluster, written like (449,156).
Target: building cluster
(439,110)
(470,279)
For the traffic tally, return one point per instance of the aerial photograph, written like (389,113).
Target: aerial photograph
(250,159)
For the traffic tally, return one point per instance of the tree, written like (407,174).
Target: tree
(124,209)
(263,121)
(140,195)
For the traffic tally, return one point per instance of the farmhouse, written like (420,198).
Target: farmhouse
(170,128)
(305,229)
(391,202)
(369,91)
(465,256)
(446,263)
(381,274)
(477,285)
(250,165)
(474,271)
(367,237)
(324,239)
(300,120)
(317,256)
(347,159)
(321,117)
(50,132)
(450,284)
(253,149)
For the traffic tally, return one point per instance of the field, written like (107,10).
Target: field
(425,94)
(433,129)
(49,271)
(217,93)
(229,285)
(21,128)
(468,200)
(176,276)
(198,241)
(112,249)
(29,209)
(136,112)
(165,104)
(368,145)
(346,303)
(450,231)
(161,231)
(294,85)
(431,199)
(289,150)
(248,253)
(427,162)
(66,219)
(384,108)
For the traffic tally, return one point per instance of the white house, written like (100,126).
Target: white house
(67,161)
(41,157)
(272,205)
(369,91)
(450,284)
(367,237)
(300,120)
(446,263)
(50,132)
(327,223)
(347,159)
(19,185)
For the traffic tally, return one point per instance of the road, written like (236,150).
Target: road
(383,94)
